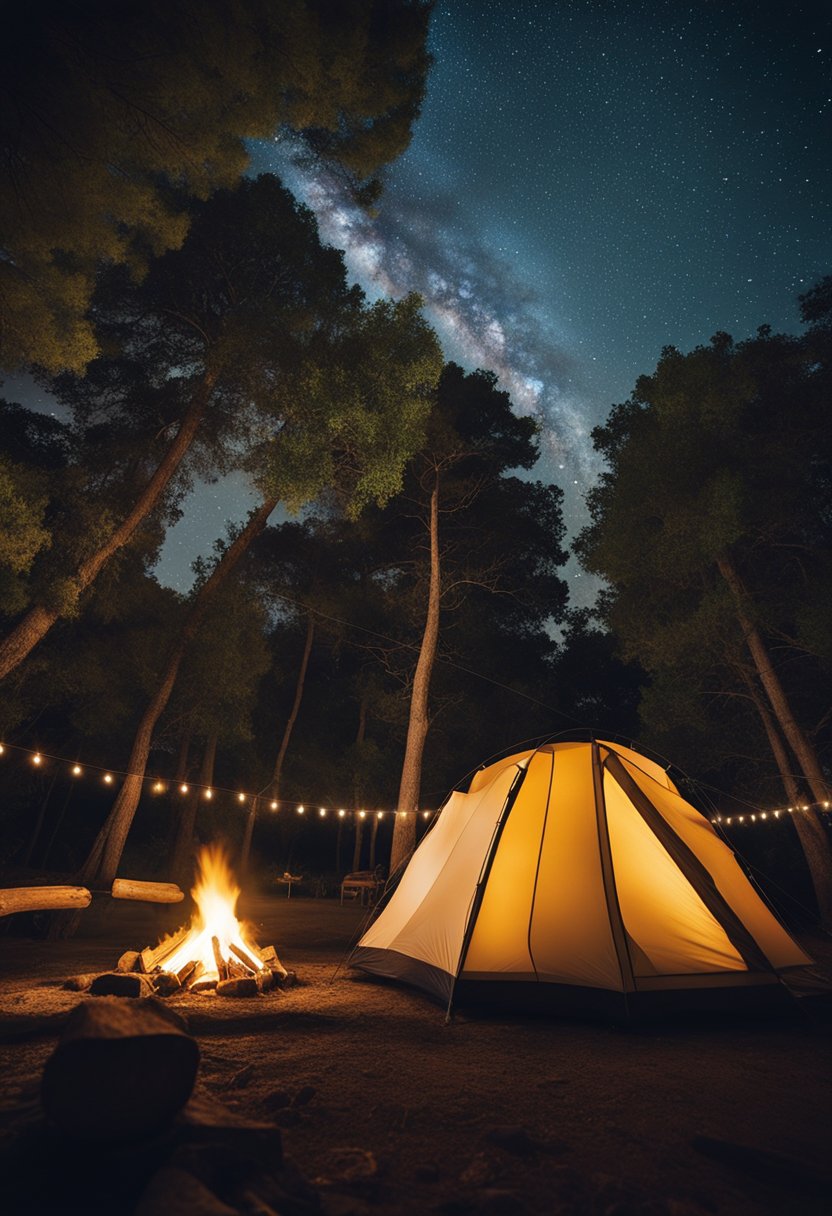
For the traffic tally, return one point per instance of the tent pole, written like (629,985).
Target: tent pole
(479,892)
(619,933)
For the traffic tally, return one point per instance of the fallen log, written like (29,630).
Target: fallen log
(152,956)
(121,1069)
(40,899)
(148,892)
(121,983)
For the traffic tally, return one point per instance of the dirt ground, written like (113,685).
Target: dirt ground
(387,1109)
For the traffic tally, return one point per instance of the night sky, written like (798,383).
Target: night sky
(590,181)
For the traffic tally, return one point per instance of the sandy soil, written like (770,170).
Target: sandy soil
(389,1110)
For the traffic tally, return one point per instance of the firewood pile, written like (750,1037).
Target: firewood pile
(238,972)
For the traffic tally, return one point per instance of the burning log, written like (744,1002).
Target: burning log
(148,892)
(153,957)
(190,973)
(243,987)
(39,899)
(120,1070)
(245,958)
(203,986)
(268,958)
(129,961)
(222,967)
(166,983)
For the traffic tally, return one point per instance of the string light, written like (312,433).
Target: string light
(156,785)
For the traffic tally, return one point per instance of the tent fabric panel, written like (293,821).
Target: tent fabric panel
(728,877)
(571,939)
(660,908)
(500,939)
(391,965)
(650,767)
(484,776)
(428,914)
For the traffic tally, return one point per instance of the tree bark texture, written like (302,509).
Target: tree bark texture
(404,831)
(796,737)
(39,619)
(114,833)
(183,849)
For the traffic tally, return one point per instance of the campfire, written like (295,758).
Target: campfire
(216,952)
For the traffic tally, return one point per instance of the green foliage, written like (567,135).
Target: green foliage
(113,113)
(722,453)
(353,412)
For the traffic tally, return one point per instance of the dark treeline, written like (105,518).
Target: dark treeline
(412,617)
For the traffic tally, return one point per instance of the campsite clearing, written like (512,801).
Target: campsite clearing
(388,1110)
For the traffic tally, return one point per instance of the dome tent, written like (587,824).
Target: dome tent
(575,878)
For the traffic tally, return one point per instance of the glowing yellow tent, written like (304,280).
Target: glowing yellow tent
(575,877)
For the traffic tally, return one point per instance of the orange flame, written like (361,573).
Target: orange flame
(215,895)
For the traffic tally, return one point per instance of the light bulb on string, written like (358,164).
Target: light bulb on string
(341,814)
(273,805)
(362,814)
(379,814)
(209,794)
(76,770)
(37,758)
(108,779)
(425,814)
(301,809)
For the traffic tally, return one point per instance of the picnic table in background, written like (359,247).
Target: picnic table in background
(286,879)
(363,884)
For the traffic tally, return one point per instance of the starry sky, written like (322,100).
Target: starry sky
(590,180)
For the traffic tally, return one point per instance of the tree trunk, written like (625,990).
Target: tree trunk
(373,835)
(183,850)
(105,855)
(38,620)
(245,850)
(810,831)
(796,737)
(290,724)
(359,837)
(404,831)
(33,839)
(360,736)
(183,759)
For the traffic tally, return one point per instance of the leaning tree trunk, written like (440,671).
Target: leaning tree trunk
(796,737)
(274,785)
(810,831)
(105,854)
(37,622)
(183,850)
(404,830)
